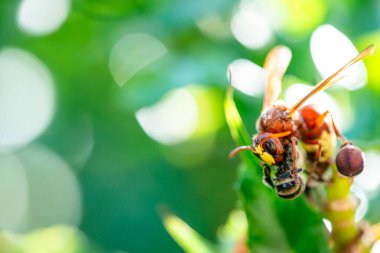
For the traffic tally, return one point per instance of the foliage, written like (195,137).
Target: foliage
(94,166)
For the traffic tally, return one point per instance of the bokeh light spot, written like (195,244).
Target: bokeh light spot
(54,193)
(133,53)
(372,62)
(13,193)
(250,27)
(172,120)
(302,16)
(209,102)
(247,77)
(26,97)
(369,179)
(77,146)
(293,18)
(330,50)
(362,202)
(213,26)
(41,17)
(200,145)
(57,239)
(376,247)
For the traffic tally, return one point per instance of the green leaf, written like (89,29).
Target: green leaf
(274,224)
(302,225)
(189,240)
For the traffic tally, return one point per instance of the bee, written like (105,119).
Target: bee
(280,128)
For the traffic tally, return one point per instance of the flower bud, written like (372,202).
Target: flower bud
(350,160)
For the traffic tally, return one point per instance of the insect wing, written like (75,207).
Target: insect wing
(334,78)
(276,63)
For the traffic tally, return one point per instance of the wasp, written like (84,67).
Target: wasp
(275,143)
(318,138)
(280,128)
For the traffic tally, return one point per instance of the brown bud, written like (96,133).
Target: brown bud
(350,160)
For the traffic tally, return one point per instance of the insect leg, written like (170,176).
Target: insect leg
(294,152)
(336,130)
(316,178)
(267,177)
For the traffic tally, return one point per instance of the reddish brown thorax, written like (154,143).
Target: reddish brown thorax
(275,120)
(308,128)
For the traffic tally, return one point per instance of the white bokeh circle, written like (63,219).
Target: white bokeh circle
(41,17)
(26,97)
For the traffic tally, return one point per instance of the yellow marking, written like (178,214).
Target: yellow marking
(258,150)
(328,142)
(265,156)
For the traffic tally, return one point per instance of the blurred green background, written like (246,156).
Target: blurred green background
(112,110)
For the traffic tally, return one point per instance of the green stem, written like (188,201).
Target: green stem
(340,210)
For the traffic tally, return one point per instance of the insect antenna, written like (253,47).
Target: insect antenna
(278,135)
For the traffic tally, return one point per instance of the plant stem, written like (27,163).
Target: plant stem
(340,210)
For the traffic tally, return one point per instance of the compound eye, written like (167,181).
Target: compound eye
(271,147)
